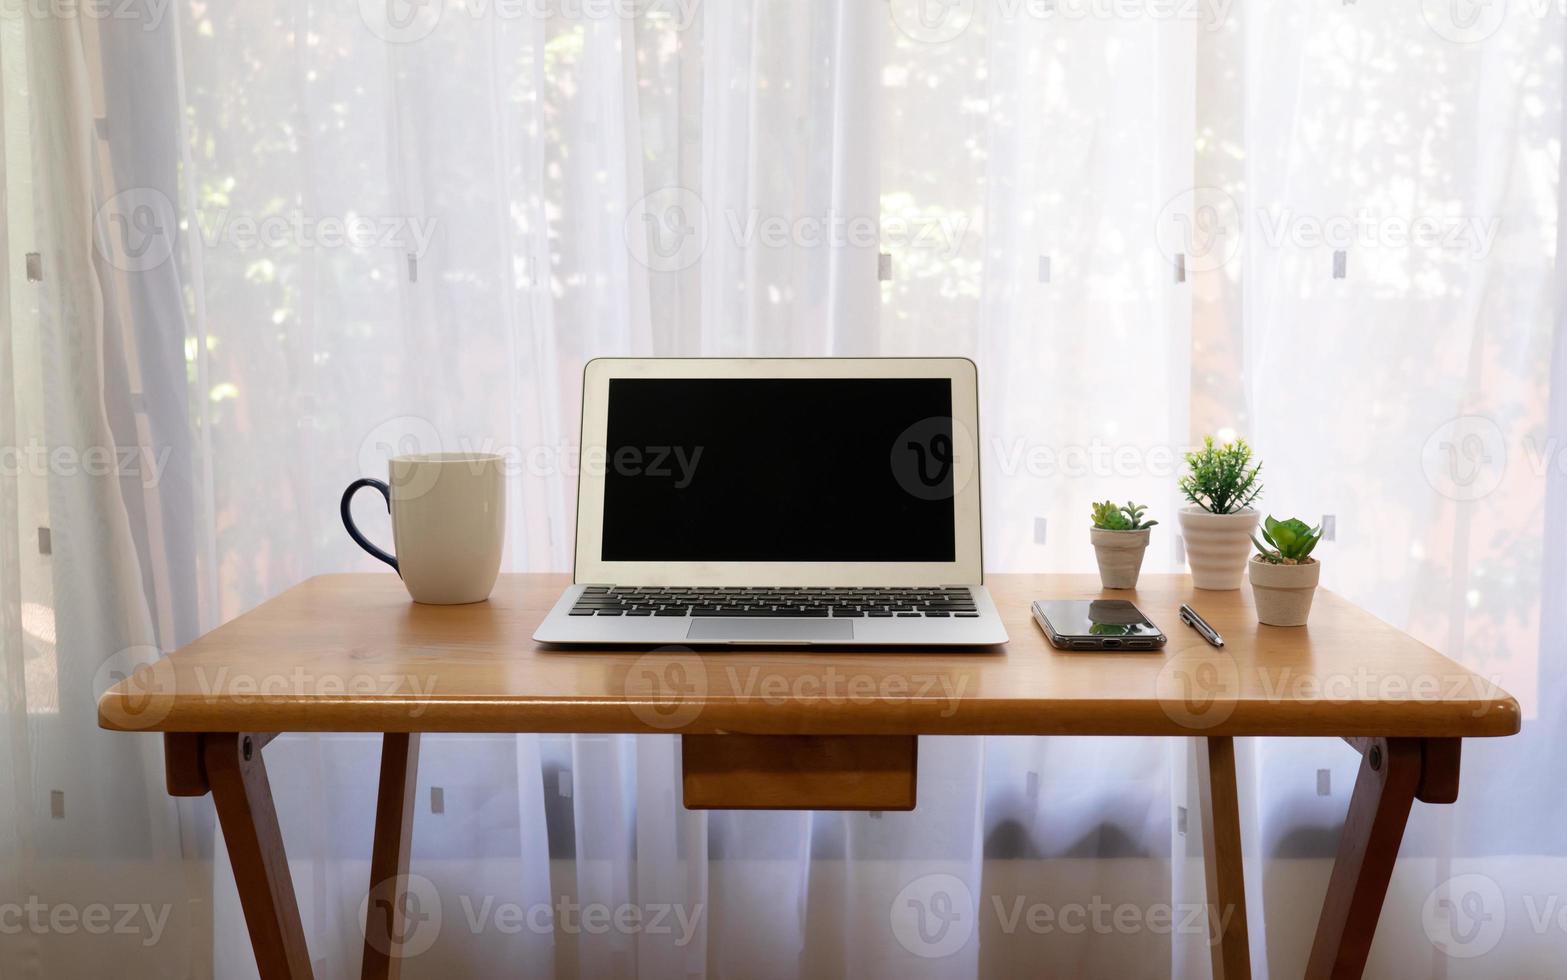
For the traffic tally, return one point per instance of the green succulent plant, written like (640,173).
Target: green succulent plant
(1112,517)
(1221,478)
(1288,542)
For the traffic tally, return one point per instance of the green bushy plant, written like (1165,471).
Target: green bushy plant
(1222,479)
(1288,542)
(1113,517)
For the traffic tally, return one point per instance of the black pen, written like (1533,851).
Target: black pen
(1190,617)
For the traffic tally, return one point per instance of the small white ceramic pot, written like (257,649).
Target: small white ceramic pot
(1283,592)
(1217,545)
(1120,555)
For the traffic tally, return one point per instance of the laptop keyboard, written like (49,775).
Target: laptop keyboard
(888,603)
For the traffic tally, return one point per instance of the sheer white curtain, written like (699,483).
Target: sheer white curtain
(328,233)
(1409,399)
(97,865)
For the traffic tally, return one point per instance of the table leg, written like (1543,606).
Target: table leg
(243,799)
(1221,847)
(386,911)
(1394,772)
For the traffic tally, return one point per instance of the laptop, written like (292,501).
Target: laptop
(784,501)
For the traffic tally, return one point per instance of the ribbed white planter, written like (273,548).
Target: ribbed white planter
(1283,593)
(1120,555)
(1217,545)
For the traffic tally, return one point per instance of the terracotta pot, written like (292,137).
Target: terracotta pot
(1283,592)
(1217,545)
(1120,555)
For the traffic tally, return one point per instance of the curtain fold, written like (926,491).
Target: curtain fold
(99,863)
(324,234)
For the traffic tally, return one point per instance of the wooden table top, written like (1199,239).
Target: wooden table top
(353,653)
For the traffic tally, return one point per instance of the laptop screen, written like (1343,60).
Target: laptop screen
(779,469)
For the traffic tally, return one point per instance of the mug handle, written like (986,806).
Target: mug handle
(348,518)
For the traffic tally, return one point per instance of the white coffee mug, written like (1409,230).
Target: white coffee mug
(448,523)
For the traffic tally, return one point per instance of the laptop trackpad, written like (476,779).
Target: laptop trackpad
(782,630)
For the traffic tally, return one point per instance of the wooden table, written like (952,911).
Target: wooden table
(798,729)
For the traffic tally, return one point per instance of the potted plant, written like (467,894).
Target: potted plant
(1120,537)
(1218,523)
(1284,575)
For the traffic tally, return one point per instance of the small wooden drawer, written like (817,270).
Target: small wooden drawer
(799,772)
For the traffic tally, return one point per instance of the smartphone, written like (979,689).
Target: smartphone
(1096,624)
